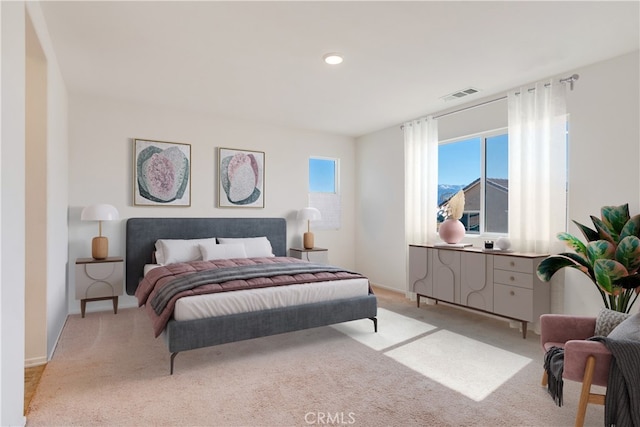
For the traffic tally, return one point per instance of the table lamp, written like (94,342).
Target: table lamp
(308,214)
(99,244)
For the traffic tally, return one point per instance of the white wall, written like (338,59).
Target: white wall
(13,260)
(54,195)
(36,200)
(12,205)
(101,169)
(604,150)
(380,237)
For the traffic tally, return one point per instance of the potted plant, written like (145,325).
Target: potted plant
(610,258)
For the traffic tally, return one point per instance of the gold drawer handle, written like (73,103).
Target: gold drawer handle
(512,278)
(512,264)
(512,293)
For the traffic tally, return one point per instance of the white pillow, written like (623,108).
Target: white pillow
(254,246)
(169,251)
(628,330)
(227,251)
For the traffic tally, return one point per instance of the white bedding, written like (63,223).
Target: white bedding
(233,302)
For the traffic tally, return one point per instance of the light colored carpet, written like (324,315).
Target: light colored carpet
(428,366)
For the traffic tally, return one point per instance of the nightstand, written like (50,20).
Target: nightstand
(99,279)
(319,255)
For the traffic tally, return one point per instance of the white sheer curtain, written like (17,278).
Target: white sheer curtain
(537,166)
(421,180)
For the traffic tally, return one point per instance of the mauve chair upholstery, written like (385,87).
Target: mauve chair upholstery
(570,332)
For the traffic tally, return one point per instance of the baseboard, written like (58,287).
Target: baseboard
(386,288)
(35,361)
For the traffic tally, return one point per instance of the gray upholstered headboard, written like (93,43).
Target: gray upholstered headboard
(142,234)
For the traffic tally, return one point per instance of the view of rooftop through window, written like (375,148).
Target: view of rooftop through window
(460,167)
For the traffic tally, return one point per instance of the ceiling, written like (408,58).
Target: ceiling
(262,61)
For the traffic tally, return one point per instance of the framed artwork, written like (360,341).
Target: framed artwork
(161,173)
(241,178)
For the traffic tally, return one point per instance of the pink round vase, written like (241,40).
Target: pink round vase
(451,230)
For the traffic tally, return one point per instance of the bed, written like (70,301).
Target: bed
(183,335)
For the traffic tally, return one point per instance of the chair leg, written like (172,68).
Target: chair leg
(586,390)
(545,378)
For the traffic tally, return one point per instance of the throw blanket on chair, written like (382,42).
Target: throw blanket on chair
(622,408)
(553,365)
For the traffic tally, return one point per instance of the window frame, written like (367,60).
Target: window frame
(483,136)
(336,174)
(328,203)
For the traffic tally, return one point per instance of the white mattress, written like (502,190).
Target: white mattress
(233,302)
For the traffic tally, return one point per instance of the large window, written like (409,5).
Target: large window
(324,192)
(478,165)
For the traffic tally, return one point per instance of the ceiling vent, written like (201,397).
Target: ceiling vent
(460,94)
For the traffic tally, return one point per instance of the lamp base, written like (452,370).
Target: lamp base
(99,247)
(307,240)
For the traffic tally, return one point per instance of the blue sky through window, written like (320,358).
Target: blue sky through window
(459,163)
(322,175)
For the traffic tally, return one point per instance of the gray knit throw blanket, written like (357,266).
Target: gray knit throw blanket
(553,365)
(622,401)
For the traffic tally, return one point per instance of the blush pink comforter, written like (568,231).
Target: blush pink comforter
(159,277)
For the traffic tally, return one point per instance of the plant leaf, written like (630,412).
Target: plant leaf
(631,228)
(615,217)
(588,233)
(604,231)
(600,249)
(456,205)
(606,272)
(551,264)
(573,242)
(631,281)
(628,253)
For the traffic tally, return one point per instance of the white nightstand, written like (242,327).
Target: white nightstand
(319,255)
(99,279)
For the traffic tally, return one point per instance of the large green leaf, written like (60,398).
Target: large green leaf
(628,253)
(615,217)
(631,228)
(573,243)
(604,231)
(600,249)
(550,265)
(631,281)
(607,271)
(588,233)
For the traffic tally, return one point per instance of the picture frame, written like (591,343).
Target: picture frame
(240,178)
(161,173)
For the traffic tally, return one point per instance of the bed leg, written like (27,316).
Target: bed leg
(173,356)
(375,324)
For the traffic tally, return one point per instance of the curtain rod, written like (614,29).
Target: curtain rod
(571,79)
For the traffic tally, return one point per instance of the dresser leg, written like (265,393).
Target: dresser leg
(83,306)
(115,305)
(524,329)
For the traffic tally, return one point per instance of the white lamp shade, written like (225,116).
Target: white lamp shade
(308,214)
(99,213)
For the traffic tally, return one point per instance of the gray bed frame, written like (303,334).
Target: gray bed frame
(141,235)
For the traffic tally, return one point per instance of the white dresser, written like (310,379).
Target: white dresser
(503,284)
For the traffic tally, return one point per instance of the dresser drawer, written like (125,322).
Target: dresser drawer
(522,280)
(512,301)
(513,263)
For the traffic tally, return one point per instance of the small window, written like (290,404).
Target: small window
(324,192)
(322,175)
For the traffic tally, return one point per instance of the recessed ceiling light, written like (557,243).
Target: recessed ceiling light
(333,58)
